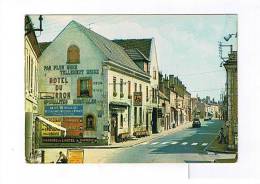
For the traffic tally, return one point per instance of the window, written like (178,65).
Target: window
(90,123)
(31,76)
(121,121)
(147,93)
(129,89)
(140,87)
(73,54)
(114,86)
(135,116)
(140,115)
(154,74)
(146,67)
(135,87)
(121,88)
(84,87)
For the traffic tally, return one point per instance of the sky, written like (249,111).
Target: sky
(186,45)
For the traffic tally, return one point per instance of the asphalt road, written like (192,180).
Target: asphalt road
(185,146)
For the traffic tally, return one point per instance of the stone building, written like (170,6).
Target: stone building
(96,89)
(231,90)
(178,104)
(32,52)
(140,50)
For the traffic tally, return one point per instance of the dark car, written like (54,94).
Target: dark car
(196,123)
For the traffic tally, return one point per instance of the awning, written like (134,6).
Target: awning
(47,122)
(113,103)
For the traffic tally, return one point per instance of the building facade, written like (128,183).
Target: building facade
(96,89)
(32,52)
(140,50)
(231,90)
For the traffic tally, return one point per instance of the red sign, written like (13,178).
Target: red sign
(74,126)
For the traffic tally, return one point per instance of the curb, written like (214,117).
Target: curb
(140,141)
(215,151)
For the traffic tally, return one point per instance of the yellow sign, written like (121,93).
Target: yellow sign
(75,156)
(48,131)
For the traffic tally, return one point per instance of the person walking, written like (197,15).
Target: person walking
(221,136)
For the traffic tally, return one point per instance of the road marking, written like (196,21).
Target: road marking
(184,143)
(194,144)
(204,144)
(174,142)
(144,143)
(154,143)
(165,142)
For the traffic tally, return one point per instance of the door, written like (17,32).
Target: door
(113,133)
(154,120)
(147,125)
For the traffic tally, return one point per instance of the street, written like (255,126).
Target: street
(185,146)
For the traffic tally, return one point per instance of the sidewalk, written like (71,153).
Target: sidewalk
(215,146)
(95,154)
(131,143)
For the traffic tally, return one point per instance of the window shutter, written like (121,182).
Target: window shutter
(78,88)
(90,87)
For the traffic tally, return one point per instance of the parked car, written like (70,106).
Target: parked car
(196,123)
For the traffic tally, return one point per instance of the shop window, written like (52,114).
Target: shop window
(121,121)
(73,54)
(90,122)
(84,87)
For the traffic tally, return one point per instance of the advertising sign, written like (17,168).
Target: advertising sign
(137,98)
(50,131)
(63,110)
(73,125)
(75,156)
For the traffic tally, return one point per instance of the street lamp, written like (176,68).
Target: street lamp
(226,38)
(229,36)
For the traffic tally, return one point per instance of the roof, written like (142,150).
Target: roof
(44,45)
(143,45)
(135,54)
(110,49)
(163,96)
(29,32)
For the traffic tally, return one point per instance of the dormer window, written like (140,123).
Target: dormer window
(73,55)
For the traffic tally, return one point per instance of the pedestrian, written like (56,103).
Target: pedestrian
(221,136)
(62,158)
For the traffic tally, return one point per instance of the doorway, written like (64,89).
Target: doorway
(114,122)
(154,120)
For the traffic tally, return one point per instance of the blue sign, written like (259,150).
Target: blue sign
(63,110)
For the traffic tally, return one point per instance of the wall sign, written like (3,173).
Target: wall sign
(68,140)
(49,131)
(137,98)
(73,125)
(63,110)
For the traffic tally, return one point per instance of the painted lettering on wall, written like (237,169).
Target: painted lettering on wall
(70,70)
